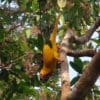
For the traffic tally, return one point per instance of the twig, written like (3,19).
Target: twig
(13,27)
(6,66)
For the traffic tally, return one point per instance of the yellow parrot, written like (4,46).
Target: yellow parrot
(50,54)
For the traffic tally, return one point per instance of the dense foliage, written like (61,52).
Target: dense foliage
(24,26)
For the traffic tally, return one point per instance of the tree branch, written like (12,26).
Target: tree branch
(85,38)
(13,27)
(80,53)
(66,49)
(82,39)
(9,64)
(64,72)
(87,80)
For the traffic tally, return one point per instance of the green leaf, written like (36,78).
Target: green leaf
(40,42)
(74,80)
(9,1)
(28,33)
(35,5)
(96,41)
(77,65)
(97,91)
(35,81)
(2,0)
(29,6)
(23,43)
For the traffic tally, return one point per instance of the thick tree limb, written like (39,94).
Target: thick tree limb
(87,80)
(80,53)
(66,49)
(64,72)
(64,77)
(71,37)
(85,38)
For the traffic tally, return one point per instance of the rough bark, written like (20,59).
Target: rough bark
(65,81)
(85,38)
(43,95)
(87,80)
(73,38)
(81,53)
(89,75)
(64,78)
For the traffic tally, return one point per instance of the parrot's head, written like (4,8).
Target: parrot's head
(44,77)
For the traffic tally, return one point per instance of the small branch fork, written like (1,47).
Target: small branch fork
(9,65)
(90,74)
